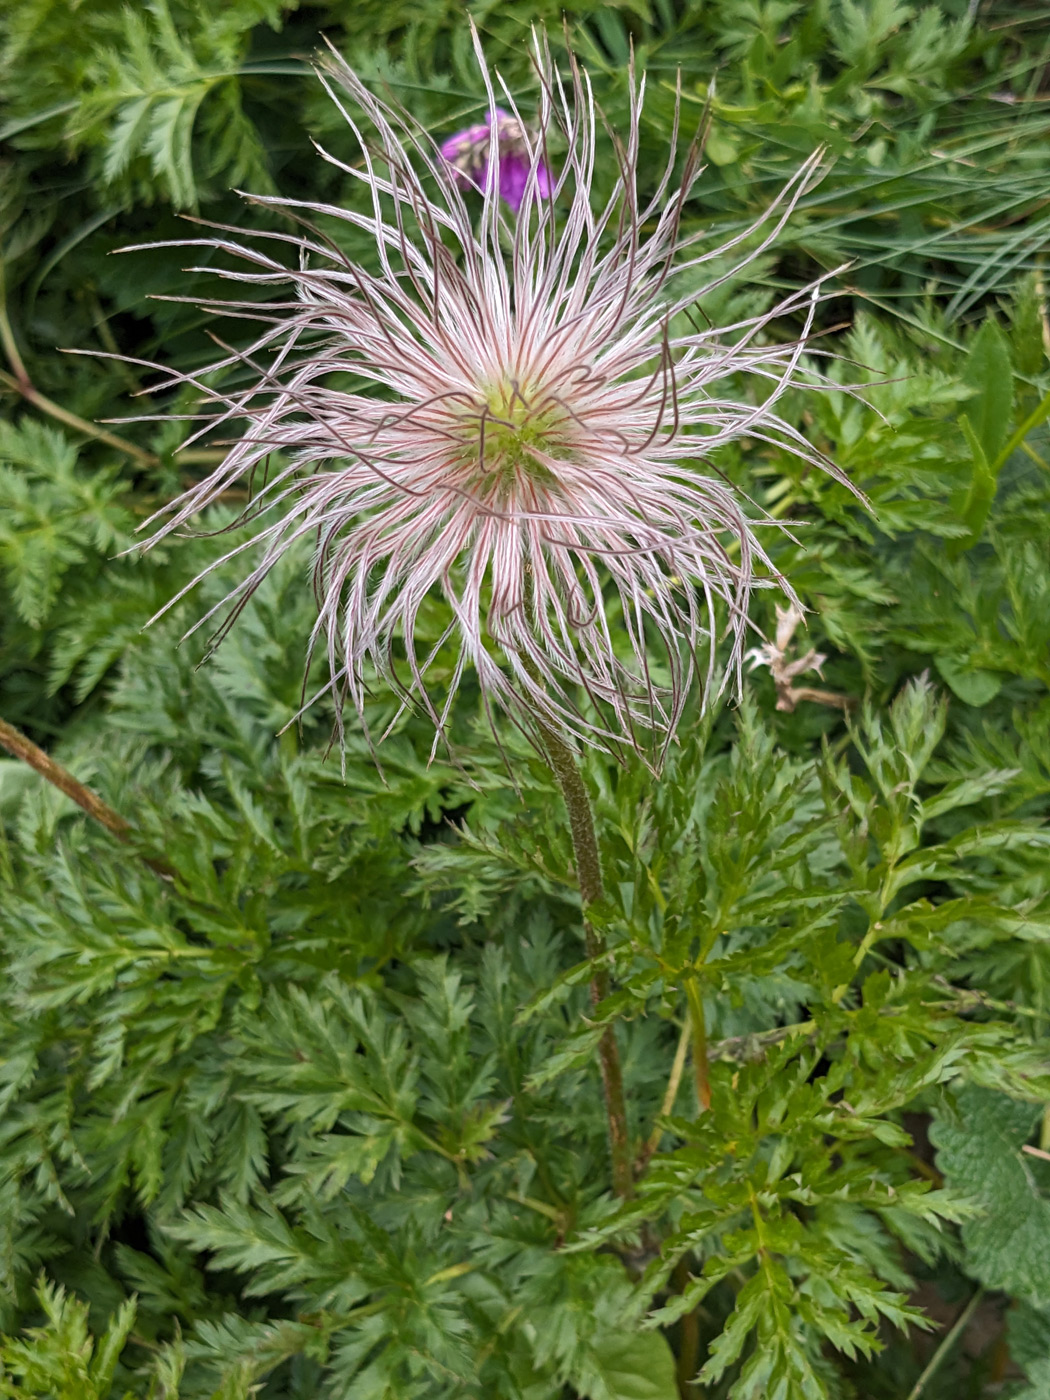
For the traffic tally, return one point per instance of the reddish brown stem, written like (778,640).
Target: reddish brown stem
(589,878)
(688,1342)
(16,743)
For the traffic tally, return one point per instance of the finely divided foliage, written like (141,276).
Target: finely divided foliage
(503,413)
(300,1079)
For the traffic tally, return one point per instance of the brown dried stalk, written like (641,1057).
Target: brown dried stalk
(19,746)
(775,655)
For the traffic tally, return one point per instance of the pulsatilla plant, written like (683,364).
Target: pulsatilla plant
(270,1053)
(527,427)
(525,436)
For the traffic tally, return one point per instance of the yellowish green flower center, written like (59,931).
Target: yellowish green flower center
(515,432)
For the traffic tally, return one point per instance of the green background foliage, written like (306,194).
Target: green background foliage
(320,1114)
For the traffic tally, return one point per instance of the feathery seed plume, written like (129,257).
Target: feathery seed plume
(527,426)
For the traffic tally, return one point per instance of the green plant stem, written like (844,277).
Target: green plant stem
(671,1093)
(688,1361)
(945,1347)
(589,879)
(20,382)
(698,1028)
(71,420)
(16,744)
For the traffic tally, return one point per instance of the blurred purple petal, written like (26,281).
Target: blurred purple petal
(513,174)
(468,152)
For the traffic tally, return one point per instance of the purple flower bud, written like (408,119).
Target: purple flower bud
(468,152)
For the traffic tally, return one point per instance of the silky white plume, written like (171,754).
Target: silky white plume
(500,410)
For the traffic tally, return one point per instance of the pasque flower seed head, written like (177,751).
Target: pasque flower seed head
(500,409)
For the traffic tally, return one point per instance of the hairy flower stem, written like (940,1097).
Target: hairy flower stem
(589,878)
(20,382)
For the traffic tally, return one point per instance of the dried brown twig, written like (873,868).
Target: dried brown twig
(784,672)
(19,746)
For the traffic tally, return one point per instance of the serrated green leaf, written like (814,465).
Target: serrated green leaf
(979,1152)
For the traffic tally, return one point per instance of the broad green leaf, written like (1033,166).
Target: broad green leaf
(980,493)
(631,1366)
(973,685)
(979,1152)
(990,372)
(1029,1333)
(986,426)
